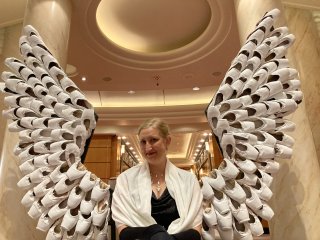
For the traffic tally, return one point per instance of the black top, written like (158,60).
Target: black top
(164,209)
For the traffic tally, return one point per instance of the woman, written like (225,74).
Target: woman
(156,200)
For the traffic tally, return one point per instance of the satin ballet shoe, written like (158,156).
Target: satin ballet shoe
(292,85)
(241,61)
(87,204)
(256,36)
(87,235)
(225,234)
(256,110)
(101,212)
(51,198)
(260,76)
(224,220)
(79,100)
(283,152)
(252,199)
(27,122)
(37,209)
(220,202)
(44,222)
(241,231)
(41,134)
(63,98)
(206,189)
(276,64)
(59,172)
(80,136)
(42,188)
(101,233)
(27,154)
(71,234)
(224,93)
(264,138)
(216,180)
(249,87)
(264,177)
(72,113)
(283,75)
(246,165)
(246,178)
(247,49)
(100,191)
(70,219)
(268,166)
(88,181)
(75,197)
(284,125)
(209,216)
(288,106)
(245,137)
(265,152)
(227,169)
(21,147)
(42,146)
(83,223)
(60,145)
(41,161)
(234,191)
(265,212)
(76,171)
(68,85)
(255,225)
(40,174)
(247,151)
(221,127)
(283,139)
(239,211)
(19,112)
(55,232)
(29,198)
(272,107)
(235,115)
(231,104)
(279,52)
(208,235)
(65,185)
(15,101)
(227,144)
(61,135)
(88,119)
(296,95)
(262,190)
(49,101)
(58,210)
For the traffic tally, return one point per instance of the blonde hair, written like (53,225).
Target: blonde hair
(156,123)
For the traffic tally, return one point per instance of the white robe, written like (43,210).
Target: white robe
(131,202)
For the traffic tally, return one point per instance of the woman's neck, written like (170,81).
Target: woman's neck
(158,169)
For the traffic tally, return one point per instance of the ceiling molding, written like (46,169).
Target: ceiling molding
(309,4)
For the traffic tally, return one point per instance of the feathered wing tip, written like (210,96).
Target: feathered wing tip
(247,116)
(55,122)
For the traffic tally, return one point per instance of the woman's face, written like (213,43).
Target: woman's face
(153,146)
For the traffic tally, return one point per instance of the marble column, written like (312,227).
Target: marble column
(296,185)
(52,20)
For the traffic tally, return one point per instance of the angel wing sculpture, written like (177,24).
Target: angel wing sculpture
(54,121)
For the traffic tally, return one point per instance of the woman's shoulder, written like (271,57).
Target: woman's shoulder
(186,174)
(130,171)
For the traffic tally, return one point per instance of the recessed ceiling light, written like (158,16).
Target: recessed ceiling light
(83,78)
(131,92)
(196,89)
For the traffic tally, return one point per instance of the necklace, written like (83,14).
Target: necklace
(156,181)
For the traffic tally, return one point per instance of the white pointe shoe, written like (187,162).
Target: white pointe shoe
(58,210)
(255,225)
(225,234)
(208,235)
(76,171)
(101,212)
(75,197)
(70,219)
(44,222)
(100,191)
(216,180)
(88,181)
(55,232)
(268,166)
(235,191)
(220,202)
(206,189)
(87,204)
(224,220)
(227,169)
(28,199)
(252,199)
(83,223)
(239,211)
(241,231)
(209,216)
(265,212)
